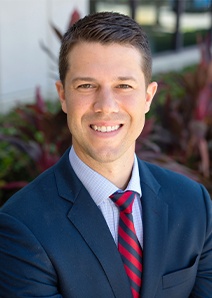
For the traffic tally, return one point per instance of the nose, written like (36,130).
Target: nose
(106,102)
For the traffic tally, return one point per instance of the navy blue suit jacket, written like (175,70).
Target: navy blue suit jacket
(54,241)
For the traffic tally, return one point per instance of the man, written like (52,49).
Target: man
(66,234)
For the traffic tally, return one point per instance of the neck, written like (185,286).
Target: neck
(118,171)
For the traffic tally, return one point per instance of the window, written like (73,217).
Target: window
(170,24)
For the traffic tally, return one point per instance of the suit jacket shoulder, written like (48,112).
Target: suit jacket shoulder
(54,242)
(171,183)
(177,224)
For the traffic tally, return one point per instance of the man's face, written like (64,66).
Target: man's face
(106,100)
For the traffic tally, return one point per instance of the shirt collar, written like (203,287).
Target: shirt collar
(98,186)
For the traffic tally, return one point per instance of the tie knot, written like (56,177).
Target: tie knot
(124,200)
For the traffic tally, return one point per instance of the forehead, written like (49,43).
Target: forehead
(102,45)
(104,63)
(85,53)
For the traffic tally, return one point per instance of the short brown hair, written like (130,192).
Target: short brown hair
(106,28)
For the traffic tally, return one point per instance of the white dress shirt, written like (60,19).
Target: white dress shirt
(100,189)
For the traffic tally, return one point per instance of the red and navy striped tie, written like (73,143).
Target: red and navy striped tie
(128,244)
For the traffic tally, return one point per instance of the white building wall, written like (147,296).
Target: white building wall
(24,24)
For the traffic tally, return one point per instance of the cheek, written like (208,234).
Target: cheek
(140,113)
(70,105)
(138,108)
(76,111)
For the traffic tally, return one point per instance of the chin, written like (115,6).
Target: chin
(106,156)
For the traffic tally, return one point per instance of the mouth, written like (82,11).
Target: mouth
(106,128)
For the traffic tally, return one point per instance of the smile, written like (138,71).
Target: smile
(105,128)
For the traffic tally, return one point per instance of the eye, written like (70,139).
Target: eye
(124,86)
(85,86)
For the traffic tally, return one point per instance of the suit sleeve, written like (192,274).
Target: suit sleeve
(203,283)
(25,269)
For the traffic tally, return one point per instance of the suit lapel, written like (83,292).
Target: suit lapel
(155,227)
(90,223)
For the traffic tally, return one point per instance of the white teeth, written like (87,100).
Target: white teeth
(105,128)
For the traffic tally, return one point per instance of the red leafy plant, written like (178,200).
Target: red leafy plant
(181,123)
(32,138)
(75,16)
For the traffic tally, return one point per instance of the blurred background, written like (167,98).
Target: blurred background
(33,131)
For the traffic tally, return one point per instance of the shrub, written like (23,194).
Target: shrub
(33,137)
(182,115)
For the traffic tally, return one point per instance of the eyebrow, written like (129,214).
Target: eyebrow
(86,79)
(130,78)
(89,79)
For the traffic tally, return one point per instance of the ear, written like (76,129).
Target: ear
(151,90)
(61,94)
